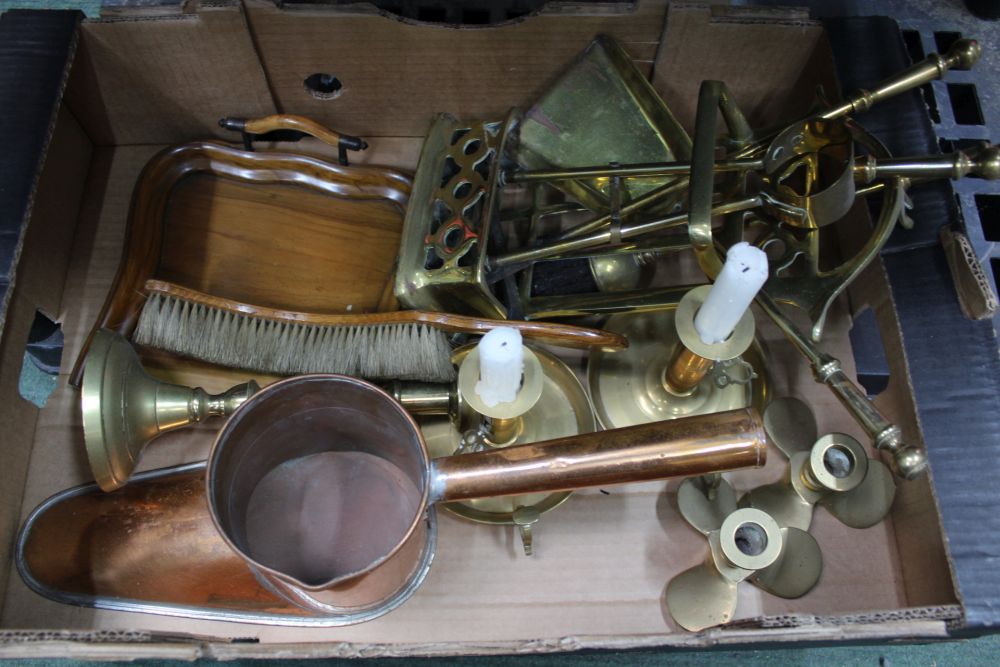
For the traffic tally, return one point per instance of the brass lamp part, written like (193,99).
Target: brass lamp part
(834,470)
(124,408)
(561,409)
(745,544)
(668,372)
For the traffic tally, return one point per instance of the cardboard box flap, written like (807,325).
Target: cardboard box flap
(602,560)
(167,79)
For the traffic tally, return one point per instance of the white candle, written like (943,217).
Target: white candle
(501,364)
(742,276)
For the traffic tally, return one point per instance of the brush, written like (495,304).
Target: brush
(403,345)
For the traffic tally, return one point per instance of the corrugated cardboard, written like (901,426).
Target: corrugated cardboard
(602,561)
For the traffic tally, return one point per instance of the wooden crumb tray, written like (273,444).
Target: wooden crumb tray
(275,229)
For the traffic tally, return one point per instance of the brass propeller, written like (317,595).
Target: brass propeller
(745,545)
(833,470)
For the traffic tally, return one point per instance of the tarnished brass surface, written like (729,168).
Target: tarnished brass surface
(731,348)
(833,470)
(124,407)
(563,409)
(963,54)
(982,162)
(806,180)
(797,169)
(600,109)
(632,301)
(745,544)
(446,230)
(616,272)
(424,398)
(629,230)
(628,386)
(648,170)
(907,462)
(713,98)
(503,432)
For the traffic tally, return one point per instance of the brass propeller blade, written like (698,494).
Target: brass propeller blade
(791,425)
(797,569)
(701,597)
(747,543)
(703,512)
(867,504)
(782,502)
(833,470)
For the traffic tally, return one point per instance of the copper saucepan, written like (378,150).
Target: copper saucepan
(323,484)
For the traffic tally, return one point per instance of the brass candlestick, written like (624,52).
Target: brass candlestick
(560,409)
(668,372)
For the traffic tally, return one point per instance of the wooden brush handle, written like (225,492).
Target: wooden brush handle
(144,231)
(296,123)
(562,335)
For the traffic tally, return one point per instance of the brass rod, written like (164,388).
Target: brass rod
(684,447)
(656,246)
(643,170)
(984,163)
(963,54)
(605,303)
(652,197)
(907,462)
(627,231)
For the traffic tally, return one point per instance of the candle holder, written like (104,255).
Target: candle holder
(667,371)
(502,422)
(552,403)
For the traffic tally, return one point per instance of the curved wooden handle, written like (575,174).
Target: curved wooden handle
(299,124)
(562,335)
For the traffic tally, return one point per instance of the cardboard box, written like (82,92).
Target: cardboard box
(142,79)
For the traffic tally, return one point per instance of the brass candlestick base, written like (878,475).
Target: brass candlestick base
(124,407)
(633,386)
(562,409)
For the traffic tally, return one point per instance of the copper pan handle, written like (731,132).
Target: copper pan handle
(678,448)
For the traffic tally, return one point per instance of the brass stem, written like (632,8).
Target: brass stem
(504,431)
(644,170)
(225,404)
(176,406)
(628,230)
(685,370)
(424,398)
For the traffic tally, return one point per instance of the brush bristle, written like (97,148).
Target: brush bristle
(375,352)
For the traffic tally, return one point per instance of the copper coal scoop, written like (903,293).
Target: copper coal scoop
(323,488)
